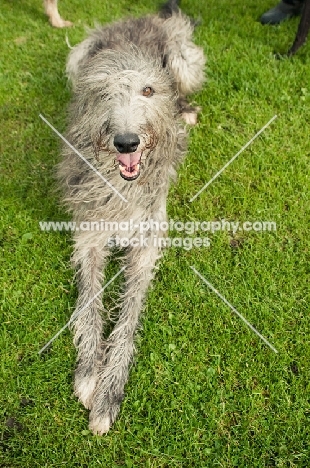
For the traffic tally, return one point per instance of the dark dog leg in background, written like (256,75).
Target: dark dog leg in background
(303,29)
(52,12)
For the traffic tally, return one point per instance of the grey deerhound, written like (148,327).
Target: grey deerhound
(130,82)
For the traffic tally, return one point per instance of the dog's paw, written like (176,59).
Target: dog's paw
(190,117)
(99,425)
(84,388)
(104,410)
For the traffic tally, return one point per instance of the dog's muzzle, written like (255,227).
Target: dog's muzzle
(128,158)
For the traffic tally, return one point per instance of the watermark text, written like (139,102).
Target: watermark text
(189,227)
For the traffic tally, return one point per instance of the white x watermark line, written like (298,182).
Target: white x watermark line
(233,158)
(234,310)
(76,314)
(82,157)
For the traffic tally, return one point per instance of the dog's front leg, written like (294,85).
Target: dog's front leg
(87,320)
(119,348)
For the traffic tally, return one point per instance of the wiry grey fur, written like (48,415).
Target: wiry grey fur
(109,71)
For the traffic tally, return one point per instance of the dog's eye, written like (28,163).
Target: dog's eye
(147,91)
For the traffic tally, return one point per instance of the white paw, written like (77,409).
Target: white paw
(84,389)
(190,117)
(99,425)
(58,22)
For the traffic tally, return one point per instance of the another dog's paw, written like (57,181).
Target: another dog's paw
(100,425)
(84,388)
(58,22)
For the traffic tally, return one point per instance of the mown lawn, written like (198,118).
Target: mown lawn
(205,390)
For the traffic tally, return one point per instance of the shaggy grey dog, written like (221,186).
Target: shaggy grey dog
(130,83)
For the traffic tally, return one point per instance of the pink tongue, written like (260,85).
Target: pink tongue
(130,159)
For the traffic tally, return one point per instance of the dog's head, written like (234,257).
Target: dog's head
(126,106)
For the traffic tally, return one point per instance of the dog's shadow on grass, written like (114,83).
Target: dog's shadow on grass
(23,10)
(34,157)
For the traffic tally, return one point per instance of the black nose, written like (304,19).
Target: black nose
(126,143)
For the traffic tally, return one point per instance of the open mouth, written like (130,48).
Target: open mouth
(129,165)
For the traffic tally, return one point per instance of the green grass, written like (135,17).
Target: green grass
(205,391)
